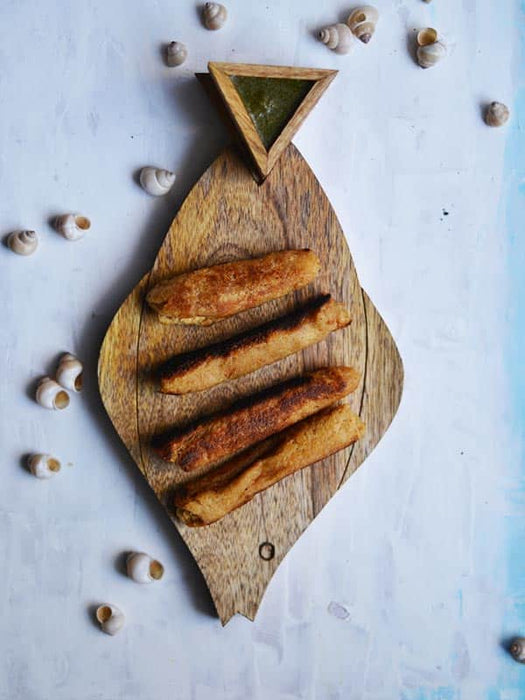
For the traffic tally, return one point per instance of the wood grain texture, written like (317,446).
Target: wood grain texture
(383,385)
(265,159)
(227,216)
(117,370)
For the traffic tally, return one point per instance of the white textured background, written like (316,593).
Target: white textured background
(398,590)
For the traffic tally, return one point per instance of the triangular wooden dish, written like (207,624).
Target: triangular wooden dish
(266,155)
(227,215)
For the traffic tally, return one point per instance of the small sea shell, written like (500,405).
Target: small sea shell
(110,618)
(143,569)
(43,466)
(429,55)
(431,48)
(23,242)
(337,37)
(214,15)
(69,372)
(72,226)
(497,114)
(517,649)
(156,181)
(50,394)
(427,36)
(362,21)
(176,53)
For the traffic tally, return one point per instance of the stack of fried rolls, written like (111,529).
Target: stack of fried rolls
(265,437)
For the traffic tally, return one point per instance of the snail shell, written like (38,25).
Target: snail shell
(43,466)
(176,53)
(362,22)
(156,181)
(69,373)
(50,394)
(143,569)
(110,618)
(517,649)
(23,242)
(337,37)
(72,226)
(214,15)
(497,114)
(430,48)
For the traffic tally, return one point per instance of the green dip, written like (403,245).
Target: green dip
(271,102)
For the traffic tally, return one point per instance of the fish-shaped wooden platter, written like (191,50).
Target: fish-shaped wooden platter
(229,215)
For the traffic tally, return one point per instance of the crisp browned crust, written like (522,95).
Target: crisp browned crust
(211,496)
(207,295)
(256,348)
(254,418)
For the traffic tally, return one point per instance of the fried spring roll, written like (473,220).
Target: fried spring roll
(255,418)
(210,294)
(212,496)
(245,353)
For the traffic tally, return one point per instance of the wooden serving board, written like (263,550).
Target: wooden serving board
(226,216)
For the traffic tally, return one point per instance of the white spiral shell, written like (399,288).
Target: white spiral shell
(110,618)
(431,48)
(43,466)
(336,37)
(70,373)
(72,226)
(176,53)
(143,569)
(497,114)
(23,242)
(362,22)
(214,15)
(156,181)
(50,394)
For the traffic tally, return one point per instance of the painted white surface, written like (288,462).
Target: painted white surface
(398,589)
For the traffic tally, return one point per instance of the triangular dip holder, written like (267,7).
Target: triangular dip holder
(237,82)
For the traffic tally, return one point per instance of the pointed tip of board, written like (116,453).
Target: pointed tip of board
(228,616)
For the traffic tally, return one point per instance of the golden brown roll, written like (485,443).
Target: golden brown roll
(255,418)
(245,353)
(210,294)
(212,496)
